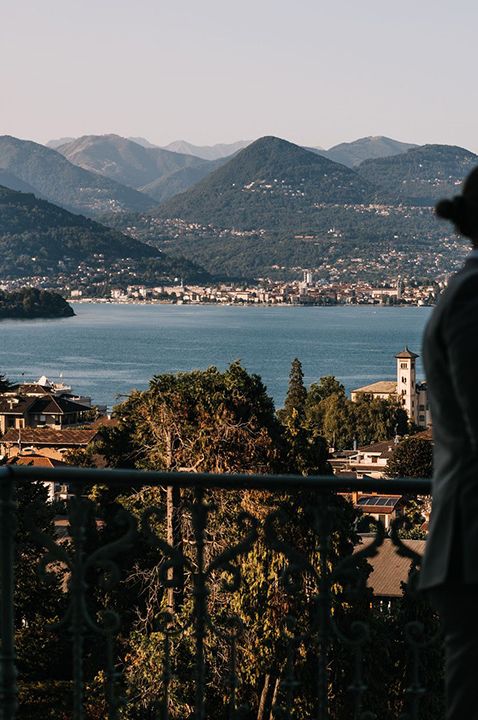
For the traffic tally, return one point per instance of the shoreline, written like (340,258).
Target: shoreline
(109,301)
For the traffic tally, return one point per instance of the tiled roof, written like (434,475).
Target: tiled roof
(406,354)
(51,405)
(47,436)
(45,404)
(36,461)
(15,405)
(384,448)
(382,386)
(389,569)
(424,435)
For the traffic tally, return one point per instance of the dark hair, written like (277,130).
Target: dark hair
(462,210)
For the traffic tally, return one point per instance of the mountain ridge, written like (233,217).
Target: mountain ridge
(265,182)
(36,235)
(125,161)
(54,178)
(422,175)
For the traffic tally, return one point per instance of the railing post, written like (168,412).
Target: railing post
(8,671)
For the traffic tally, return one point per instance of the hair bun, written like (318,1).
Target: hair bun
(447,209)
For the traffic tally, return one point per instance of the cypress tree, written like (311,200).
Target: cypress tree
(296,393)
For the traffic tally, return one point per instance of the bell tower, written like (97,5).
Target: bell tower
(407,383)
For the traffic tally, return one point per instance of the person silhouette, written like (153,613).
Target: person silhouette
(449,571)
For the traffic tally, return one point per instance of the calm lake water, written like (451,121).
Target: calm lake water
(106,350)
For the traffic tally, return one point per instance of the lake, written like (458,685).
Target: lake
(107,349)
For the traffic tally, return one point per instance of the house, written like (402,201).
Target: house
(46,441)
(412,395)
(42,404)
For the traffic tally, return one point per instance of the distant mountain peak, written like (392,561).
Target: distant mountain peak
(207,152)
(54,178)
(372,146)
(267,184)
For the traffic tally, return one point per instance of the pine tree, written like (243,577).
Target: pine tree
(296,393)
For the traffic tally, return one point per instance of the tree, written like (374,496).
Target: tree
(5,383)
(213,421)
(413,457)
(328,385)
(296,393)
(377,419)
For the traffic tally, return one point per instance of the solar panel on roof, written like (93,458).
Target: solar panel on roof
(382,501)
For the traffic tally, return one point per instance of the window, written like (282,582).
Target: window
(374,458)
(404,366)
(404,379)
(421,407)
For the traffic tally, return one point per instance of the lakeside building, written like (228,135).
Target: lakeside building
(412,395)
(42,404)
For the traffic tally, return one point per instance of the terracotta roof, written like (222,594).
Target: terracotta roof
(382,386)
(47,436)
(424,435)
(406,354)
(389,569)
(36,461)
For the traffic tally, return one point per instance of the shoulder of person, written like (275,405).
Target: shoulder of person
(465,287)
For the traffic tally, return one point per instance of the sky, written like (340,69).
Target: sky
(312,71)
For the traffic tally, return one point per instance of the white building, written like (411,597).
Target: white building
(410,394)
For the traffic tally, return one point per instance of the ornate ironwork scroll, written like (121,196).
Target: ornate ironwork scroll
(414,631)
(200,571)
(78,619)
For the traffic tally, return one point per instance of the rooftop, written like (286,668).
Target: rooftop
(47,436)
(382,386)
(406,354)
(389,569)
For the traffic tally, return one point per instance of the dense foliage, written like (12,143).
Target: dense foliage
(37,237)
(225,422)
(422,175)
(271,184)
(33,303)
(413,458)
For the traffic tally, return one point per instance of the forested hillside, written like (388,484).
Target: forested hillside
(37,236)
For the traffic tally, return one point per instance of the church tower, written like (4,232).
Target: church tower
(407,383)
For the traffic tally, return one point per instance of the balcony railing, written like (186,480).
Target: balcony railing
(261,616)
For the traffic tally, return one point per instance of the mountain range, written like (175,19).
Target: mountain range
(154,171)
(52,177)
(275,208)
(271,204)
(208,152)
(271,184)
(353,153)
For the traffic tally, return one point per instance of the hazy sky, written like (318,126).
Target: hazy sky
(209,71)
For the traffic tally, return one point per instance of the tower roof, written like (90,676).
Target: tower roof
(406,354)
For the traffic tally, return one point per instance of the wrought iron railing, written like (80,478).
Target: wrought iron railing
(267,617)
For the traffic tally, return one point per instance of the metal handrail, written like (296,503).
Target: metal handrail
(392,486)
